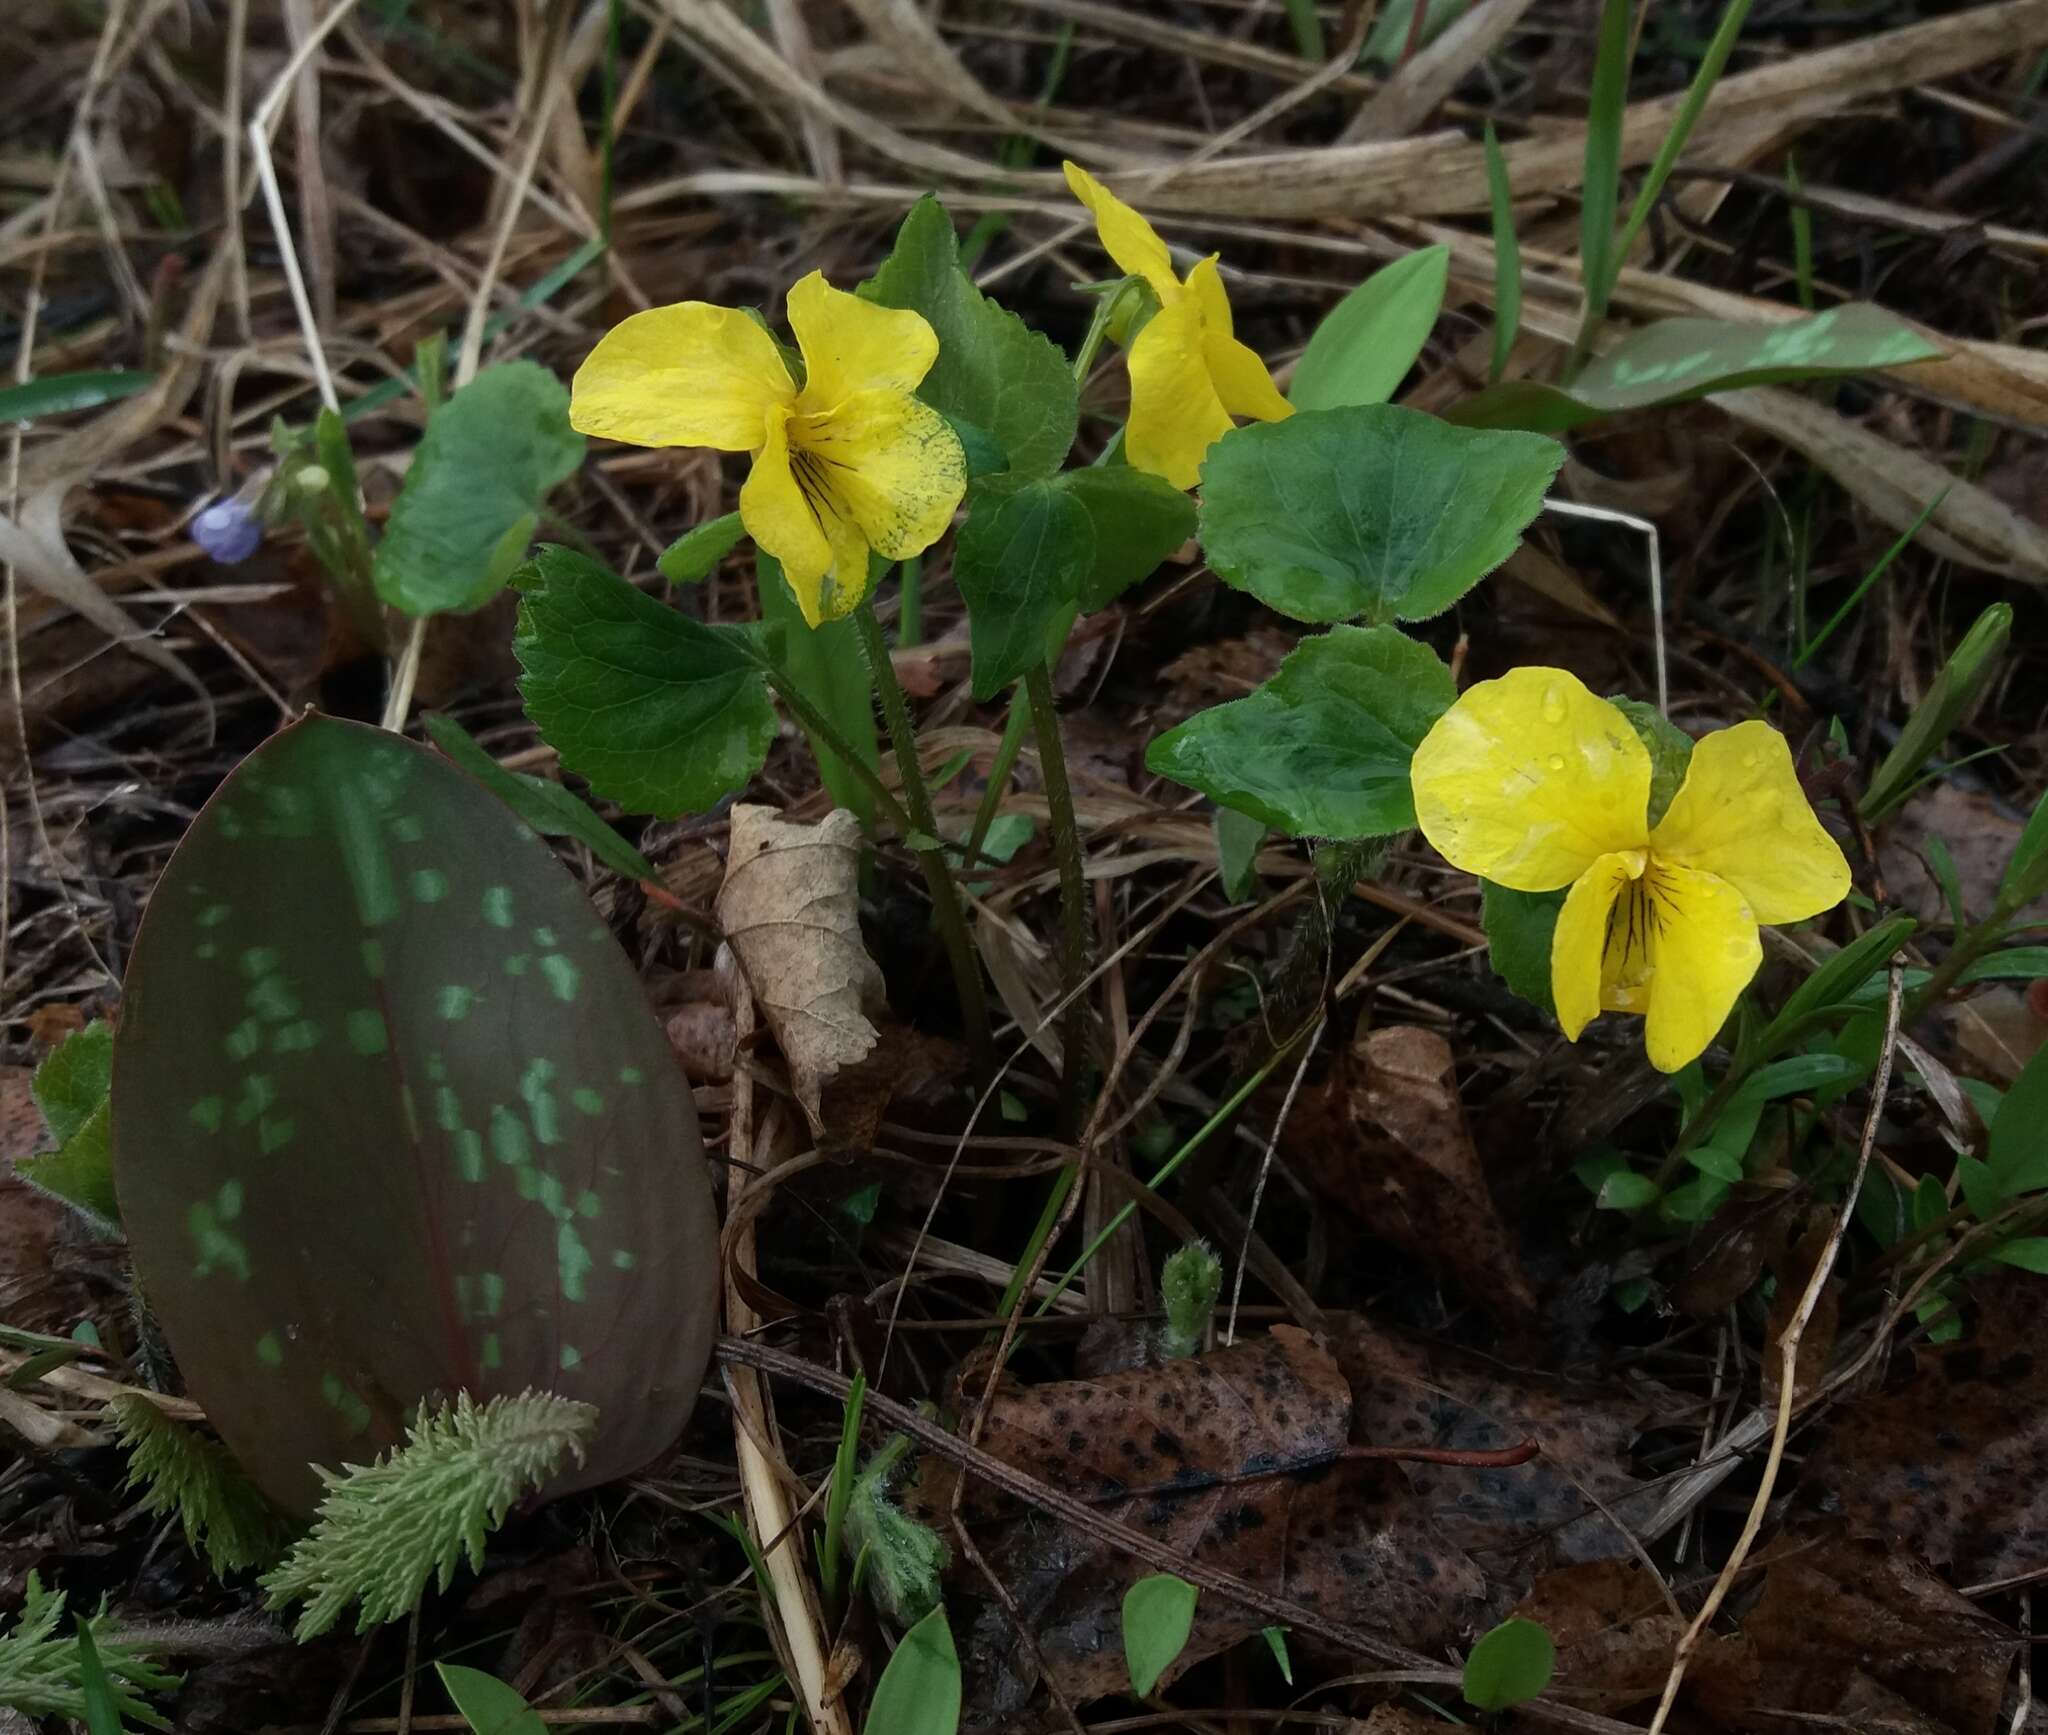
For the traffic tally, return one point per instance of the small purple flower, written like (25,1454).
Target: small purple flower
(229,531)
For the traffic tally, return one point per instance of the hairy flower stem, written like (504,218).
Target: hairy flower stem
(999,771)
(1066,846)
(917,799)
(819,725)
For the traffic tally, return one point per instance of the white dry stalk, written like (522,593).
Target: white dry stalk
(1251,1216)
(1605,515)
(792,1607)
(1788,1353)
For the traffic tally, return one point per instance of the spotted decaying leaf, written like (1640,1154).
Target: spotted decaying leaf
(392,1119)
(1952,1464)
(1613,1630)
(1386,1138)
(1232,1457)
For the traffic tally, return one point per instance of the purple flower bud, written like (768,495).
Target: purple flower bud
(228,531)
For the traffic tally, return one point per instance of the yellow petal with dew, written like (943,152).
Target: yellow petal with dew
(1742,816)
(850,345)
(1126,237)
(782,521)
(894,463)
(1706,952)
(687,375)
(1243,384)
(1578,945)
(1175,413)
(1530,779)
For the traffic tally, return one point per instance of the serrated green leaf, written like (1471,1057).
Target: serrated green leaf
(1519,928)
(827,665)
(55,394)
(487,460)
(1322,749)
(1371,512)
(488,1705)
(1020,561)
(1159,1613)
(1366,344)
(661,713)
(543,803)
(1138,520)
(993,370)
(1674,361)
(1238,837)
(1669,748)
(919,1692)
(72,1082)
(692,556)
(1509,1666)
(179,1471)
(80,1172)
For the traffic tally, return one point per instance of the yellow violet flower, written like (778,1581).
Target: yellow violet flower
(1535,783)
(851,462)
(1189,375)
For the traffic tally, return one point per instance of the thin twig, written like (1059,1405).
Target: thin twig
(1788,1352)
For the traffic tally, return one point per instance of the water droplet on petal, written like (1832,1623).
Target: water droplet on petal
(1749,760)
(1553,704)
(1556,762)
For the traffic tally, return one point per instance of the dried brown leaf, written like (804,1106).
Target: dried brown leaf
(1613,1630)
(790,909)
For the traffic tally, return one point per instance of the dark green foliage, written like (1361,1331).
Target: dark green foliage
(392,1121)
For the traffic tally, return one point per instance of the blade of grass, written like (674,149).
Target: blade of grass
(845,1466)
(1600,184)
(1702,87)
(102,1714)
(1507,259)
(1802,236)
(1307,24)
(1863,588)
(54,394)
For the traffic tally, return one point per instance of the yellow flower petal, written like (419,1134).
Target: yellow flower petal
(1530,779)
(1705,953)
(1175,413)
(895,465)
(687,375)
(850,345)
(1742,816)
(782,521)
(1126,237)
(1579,946)
(1242,382)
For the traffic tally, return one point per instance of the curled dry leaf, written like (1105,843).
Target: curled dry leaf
(1388,1141)
(1952,1465)
(791,912)
(1232,1457)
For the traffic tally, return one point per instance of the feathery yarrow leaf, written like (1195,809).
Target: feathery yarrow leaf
(224,1514)
(384,1529)
(39,1675)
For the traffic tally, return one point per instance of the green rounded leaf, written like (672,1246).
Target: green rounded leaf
(1159,1613)
(392,1120)
(919,1692)
(1367,343)
(486,462)
(1020,561)
(1323,748)
(1509,1666)
(1370,512)
(1519,928)
(1138,520)
(663,714)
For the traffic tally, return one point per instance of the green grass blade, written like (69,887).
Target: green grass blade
(1600,191)
(1307,24)
(1507,259)
(54,394)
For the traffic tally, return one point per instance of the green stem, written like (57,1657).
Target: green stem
(910,602)
(917,798)
(999,773)
(1066,845)
(820,725)
(1970,945)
